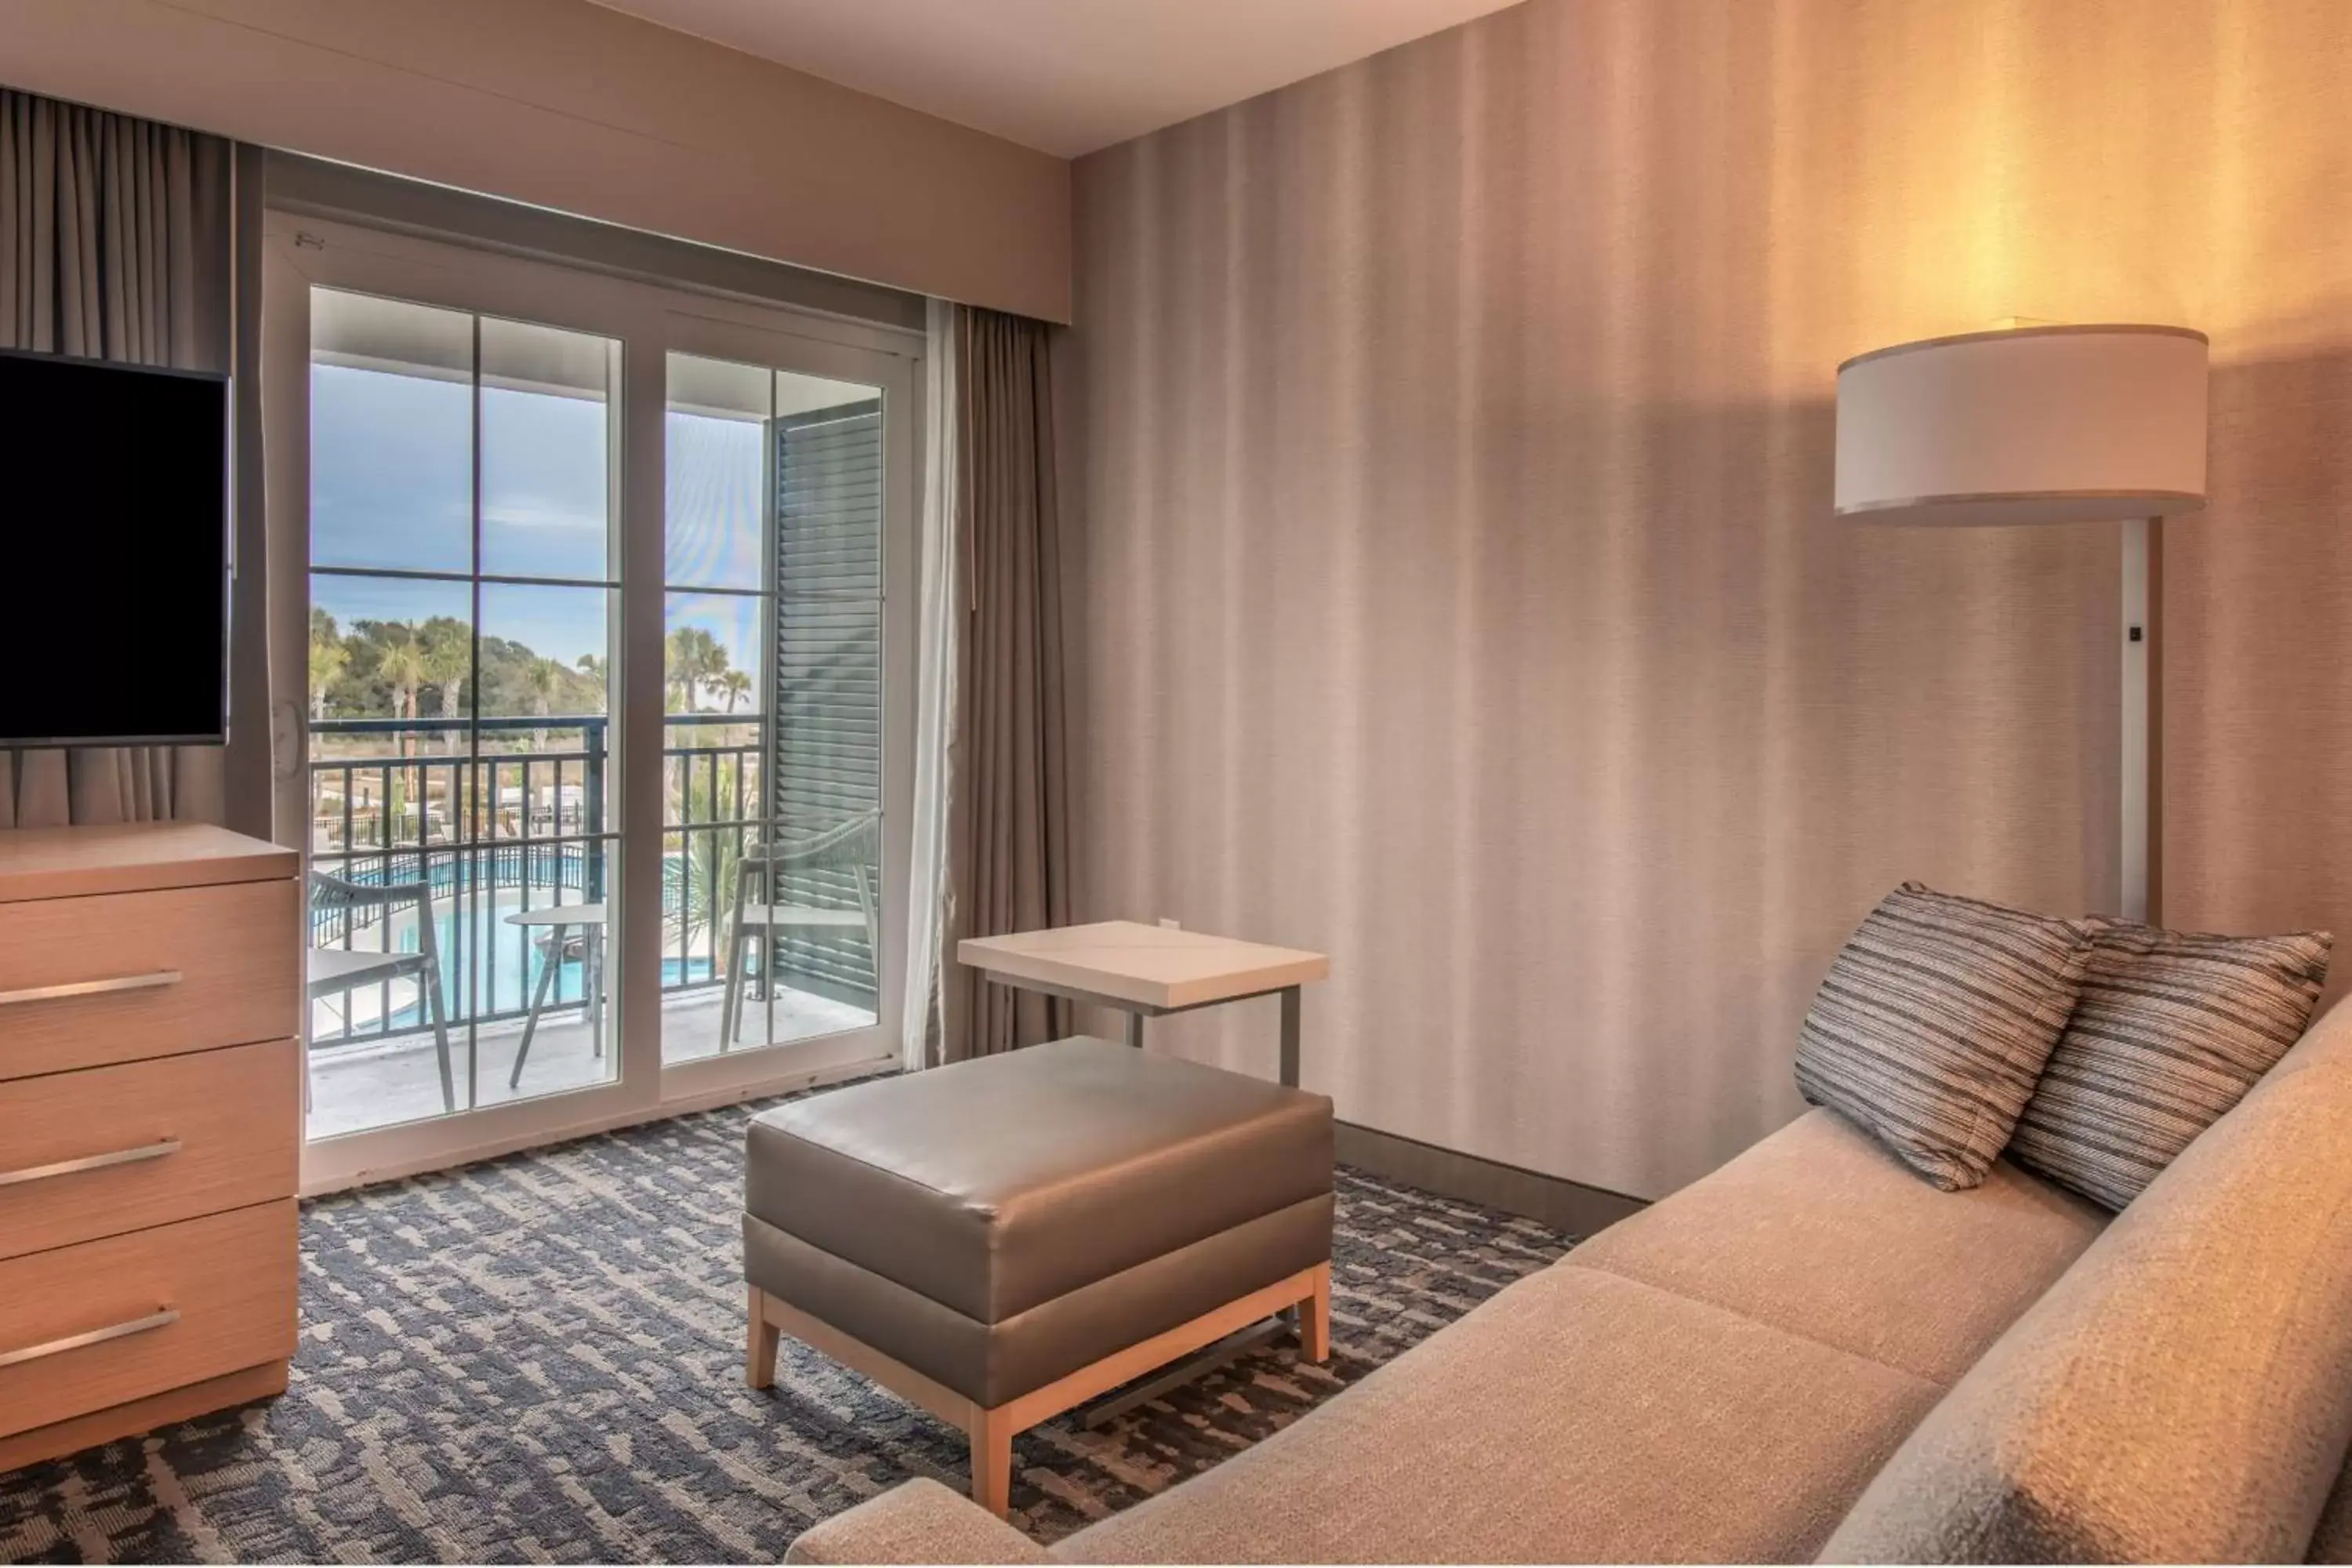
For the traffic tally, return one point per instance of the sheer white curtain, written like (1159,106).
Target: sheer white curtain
(934,695)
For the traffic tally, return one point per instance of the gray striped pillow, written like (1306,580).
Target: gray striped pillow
(1935,1023)
(2173,1028)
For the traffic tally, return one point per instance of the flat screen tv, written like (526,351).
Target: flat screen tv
(113,554)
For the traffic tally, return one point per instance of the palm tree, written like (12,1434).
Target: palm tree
(735,684)
(542,680)
(329,657)
(696,659)
(703,906)
(402,664)
(449,661)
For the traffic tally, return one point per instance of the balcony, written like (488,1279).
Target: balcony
(487,831)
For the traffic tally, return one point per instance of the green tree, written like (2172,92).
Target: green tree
(329,658)
(542,680)
(705,903)
(696,659)
(448,650)
(734,684)
(403,665)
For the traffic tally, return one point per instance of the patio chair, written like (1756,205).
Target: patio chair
(848,846)
(338,971)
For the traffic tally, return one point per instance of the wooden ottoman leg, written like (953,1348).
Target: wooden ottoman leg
(991,1459)
(1315,1319)
(760,1361)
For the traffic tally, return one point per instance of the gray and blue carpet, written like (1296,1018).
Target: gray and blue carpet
(541,1360)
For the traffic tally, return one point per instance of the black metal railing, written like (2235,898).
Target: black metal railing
(473,824)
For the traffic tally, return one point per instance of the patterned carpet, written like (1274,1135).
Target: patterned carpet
(541,1360)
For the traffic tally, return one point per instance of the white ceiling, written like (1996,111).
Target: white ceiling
(1062,76)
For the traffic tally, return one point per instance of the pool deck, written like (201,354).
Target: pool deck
(378,1085)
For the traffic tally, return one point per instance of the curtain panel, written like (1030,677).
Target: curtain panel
(115,243)
(1007,771)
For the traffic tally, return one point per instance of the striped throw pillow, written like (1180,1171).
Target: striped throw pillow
(1934,1022)
(2173,1028)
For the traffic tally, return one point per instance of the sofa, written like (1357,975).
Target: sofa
(1813,1353)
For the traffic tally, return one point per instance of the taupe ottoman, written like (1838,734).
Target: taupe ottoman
(1001,1239)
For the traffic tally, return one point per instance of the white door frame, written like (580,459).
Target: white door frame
(649,322)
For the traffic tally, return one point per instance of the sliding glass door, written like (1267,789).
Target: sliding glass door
(601,692)
(460,636)
(772,780)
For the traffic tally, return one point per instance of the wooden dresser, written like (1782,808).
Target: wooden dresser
(150,1089)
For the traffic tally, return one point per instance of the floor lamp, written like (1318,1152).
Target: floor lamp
(2041,425)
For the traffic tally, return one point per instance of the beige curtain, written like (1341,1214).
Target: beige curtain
(114,244)
(1008,791)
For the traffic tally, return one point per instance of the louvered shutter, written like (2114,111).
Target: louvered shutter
(828,698)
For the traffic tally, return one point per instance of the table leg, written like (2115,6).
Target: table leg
(1290,1036)
(593,972)
(1135,1030)
(538,1000)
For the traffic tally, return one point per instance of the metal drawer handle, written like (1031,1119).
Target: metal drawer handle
(163,1317)
(155,1150)
(160,978)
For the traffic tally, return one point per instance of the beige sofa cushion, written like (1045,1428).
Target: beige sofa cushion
(1819,1230)
(1577,1416)
(922,1521)
(2332,1542)
(2184,1393)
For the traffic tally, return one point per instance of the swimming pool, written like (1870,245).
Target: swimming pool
(482,955)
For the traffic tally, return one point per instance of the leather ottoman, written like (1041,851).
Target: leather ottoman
(1001,1239)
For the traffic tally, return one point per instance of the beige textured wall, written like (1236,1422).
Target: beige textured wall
(568,105)
(1456,586)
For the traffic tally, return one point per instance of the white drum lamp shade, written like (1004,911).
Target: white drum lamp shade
(2060,424)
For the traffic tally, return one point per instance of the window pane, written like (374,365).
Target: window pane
(392,442)
(390,648)
(389,661)
(715,468)
(546,446)
(545,650)
(545,739)
(711,652)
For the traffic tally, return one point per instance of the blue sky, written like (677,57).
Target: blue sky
(392,483)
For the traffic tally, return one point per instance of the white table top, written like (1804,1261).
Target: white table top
(1152,966)
(559,915)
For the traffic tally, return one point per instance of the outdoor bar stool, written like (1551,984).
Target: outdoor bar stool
(846,847)
(336,971)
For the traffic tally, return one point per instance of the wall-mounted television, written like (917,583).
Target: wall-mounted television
(113,554)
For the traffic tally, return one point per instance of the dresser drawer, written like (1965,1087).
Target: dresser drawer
(85,1327)
(85,982)
(98,1152)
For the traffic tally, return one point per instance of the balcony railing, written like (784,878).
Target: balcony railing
(493,831)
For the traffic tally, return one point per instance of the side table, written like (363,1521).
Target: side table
(1150,972)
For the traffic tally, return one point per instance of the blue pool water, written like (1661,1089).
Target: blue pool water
(506,961)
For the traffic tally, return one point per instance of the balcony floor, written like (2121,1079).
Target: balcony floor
(383,1083)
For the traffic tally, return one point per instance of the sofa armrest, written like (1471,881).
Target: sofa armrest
(922,1521)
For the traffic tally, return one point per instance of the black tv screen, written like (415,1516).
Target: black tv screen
(113,554)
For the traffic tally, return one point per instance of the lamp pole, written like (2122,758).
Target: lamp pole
(2141,709)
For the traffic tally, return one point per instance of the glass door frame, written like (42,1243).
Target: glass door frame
(649,319)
